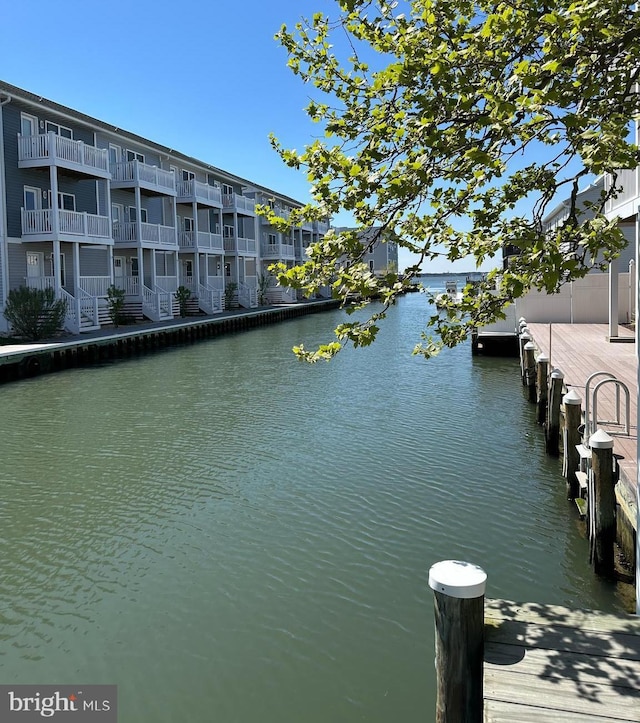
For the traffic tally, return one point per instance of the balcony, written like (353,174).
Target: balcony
(151,180)
(277,251)
(197,192)
(39,225)
(49,149)
(320,227)
(240,244)
(240,204)
(205,241)
(279,211)
(153,234)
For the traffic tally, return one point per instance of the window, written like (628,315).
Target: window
(28,125)
(228,232)
(212,181)
(371,265)
(32,199)
(134,266)
(227,190)
(62,268)
(227,270)
(59,130)
(272,239)
(188,176)
(134,156)
(188,224)
(133,216)
(66,201)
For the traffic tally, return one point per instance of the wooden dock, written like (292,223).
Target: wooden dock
(548,663)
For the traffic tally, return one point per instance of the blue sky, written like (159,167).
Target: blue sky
(204,77)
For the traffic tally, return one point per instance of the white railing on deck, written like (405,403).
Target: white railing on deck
(210,300)
(167,283)
(212,241)
(229,243)
(72,223)
(142,172)
(246,244)
(72,317)
(186,239)
(36,222)
(151,232)
(50,145)
(157,304)
(88,306)
(278,250)
(95,285)
(130,284)
(216,282)
(189,283)
(199,191)
(40,282)
(247,296)
(238,202)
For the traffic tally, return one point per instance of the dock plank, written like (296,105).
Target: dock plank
(546,662)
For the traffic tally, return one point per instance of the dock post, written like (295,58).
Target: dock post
(603,504)
(552,427)
(525,337)
(542,383)
(459,621)
(529,363)
(571,438)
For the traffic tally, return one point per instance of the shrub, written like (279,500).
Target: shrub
(35,314)
(115,300)
(229,294)
(183,294)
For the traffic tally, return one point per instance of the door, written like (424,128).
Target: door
(35,270)
(119,272)
(187,273)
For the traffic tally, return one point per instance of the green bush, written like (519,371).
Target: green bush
(229,294)
(115,300)
(183,294)
(35,314)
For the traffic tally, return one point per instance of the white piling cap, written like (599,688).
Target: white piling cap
(521,320)
(542,358)
(600,440)
(572,397)
(458,579)
(557,374)
(525,335)
(529,346)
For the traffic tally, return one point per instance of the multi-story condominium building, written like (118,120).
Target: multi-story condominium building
(84,206)
(382,255)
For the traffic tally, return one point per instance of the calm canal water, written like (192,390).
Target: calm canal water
(231,536)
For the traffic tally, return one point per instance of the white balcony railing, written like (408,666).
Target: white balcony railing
(278,250)
(151,232)
(198,191)
(247,296)
(129,284)
(136,171)
(157,305)
(71,223)
(95,285)
(167,283)
(247,244)
(234,201)
(40,282)
(211,241)
(51,146)
(216,282)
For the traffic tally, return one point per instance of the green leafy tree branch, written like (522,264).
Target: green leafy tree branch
(441,120)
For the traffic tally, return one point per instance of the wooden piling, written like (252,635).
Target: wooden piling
(459,623)
(542,386)
(552,426)
(524,339)
(602,503)
(571,439)
(529,363)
